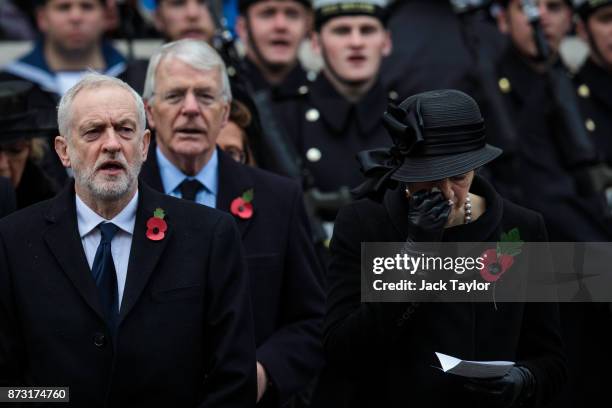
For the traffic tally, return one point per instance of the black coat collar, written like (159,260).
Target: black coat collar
(34,187)
(289,87)
(339,113)
(150,173)
(234,180)
(485,228)
(63,239)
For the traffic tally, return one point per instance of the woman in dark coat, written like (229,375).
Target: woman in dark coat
(424,189)
(23,143)
(7,197)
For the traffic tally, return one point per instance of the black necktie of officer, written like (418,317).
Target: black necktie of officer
(189,189)
(105,275)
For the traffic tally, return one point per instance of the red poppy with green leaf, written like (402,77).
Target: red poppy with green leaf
(242,206)
(498,261)
(156,226)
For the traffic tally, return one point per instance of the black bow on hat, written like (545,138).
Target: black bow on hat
(436,134)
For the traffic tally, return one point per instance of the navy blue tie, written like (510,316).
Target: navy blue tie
(105,275)
(189,189)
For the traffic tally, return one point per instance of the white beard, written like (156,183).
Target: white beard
(107,188)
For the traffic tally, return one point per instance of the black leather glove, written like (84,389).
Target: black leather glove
(512,390)
(428,212)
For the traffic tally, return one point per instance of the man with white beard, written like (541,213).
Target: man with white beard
(127,296)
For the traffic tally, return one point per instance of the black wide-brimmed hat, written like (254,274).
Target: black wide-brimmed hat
(436,134)
(18,119)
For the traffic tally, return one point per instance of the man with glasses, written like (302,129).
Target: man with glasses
(188,99)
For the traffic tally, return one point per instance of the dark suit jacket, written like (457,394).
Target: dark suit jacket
(285,277)
(7,197)
(386,350)
(185,332)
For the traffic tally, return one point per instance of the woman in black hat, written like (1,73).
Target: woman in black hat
(424,189)
(23,143)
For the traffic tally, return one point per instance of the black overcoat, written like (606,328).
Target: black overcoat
(286,278)
(386,350)
(7,197)
(185,331)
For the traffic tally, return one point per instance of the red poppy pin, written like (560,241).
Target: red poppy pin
(498,261)
(156,226)
(242,206)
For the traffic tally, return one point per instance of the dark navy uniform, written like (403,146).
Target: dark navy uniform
(329,131)
(526,102)
(542,177)
(594,89)
(548,186)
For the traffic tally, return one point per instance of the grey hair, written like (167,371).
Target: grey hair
(195,53)
(94,80)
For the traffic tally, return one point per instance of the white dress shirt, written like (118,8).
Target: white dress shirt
(121,244)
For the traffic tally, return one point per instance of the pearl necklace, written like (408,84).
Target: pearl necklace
(467,207)
(467,210)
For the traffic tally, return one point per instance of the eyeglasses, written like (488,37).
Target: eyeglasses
(14,148)
(238,155)
(177,97)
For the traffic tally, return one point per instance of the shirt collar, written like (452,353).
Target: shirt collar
(88,219)
(172,176)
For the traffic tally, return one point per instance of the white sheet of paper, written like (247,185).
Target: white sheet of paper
(474,369)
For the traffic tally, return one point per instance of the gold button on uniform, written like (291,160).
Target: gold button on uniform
(313,154)
(393,95)
(584,91)
(303,90)
(504,85)
(312,115)
(590,125)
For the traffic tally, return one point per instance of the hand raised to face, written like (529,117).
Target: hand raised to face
(428,212)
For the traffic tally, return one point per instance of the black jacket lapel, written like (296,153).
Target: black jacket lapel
(397,209)
(145,253)
(62,238)
(234,180)
(150,170)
